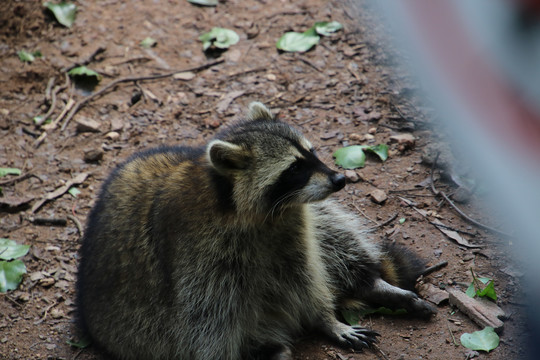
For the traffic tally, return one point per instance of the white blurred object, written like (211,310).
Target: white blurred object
(480,61)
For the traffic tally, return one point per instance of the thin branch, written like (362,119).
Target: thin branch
(433,268)
(79,104)
(52,95)
(77,224)
(392,218)
(453,229)
(458,210)
(15,179)
(48,221)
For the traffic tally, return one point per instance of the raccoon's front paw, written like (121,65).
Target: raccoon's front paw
(356,337)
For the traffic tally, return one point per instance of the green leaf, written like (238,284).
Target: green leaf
(297,42)
(352,317)
(485,340)
(82,343)
(148,43)
(10,250)
(9,171)
(350,157)
(381,150)
(11,273)
(471,291)
(74,191)
(204,2)
(37,120)
(219,37)
(63,12)
(25,56)
(84,71)
(326,28)
(488,291)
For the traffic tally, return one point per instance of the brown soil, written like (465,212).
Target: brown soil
(349,85)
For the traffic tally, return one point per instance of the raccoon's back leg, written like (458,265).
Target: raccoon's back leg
(385,294)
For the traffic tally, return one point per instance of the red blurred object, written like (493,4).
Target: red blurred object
(470,75)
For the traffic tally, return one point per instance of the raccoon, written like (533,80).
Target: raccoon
(230,251)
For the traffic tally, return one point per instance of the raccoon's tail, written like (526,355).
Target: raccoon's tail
(400,266)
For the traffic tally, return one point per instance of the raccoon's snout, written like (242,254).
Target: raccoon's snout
(338,181)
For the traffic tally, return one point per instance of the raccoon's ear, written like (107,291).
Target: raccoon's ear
(257,111)
(225,156)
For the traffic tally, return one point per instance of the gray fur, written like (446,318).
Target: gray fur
(187,256)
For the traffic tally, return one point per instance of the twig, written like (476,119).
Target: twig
(45,313)
(86,61)
(458,210)
(77,224)
(453,229)
(50,84)
(13,301)
(69,106)
(40,140)
(112,84)
(472,221)
(309,63)
(79,179)
(433,268)
(451,333)
(364,214)
(392,218)
(49,221)
(399,112)
(379,352)
(300,12)
(15,179)
(53,94)
(77,354)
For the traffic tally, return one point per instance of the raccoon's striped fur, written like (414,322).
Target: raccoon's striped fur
(227,252)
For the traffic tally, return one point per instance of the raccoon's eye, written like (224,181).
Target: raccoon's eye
(294,166)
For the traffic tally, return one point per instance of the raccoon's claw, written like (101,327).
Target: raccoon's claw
(357,337)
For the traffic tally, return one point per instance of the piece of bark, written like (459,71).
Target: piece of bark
(482,311)
(79,179)
(432,293)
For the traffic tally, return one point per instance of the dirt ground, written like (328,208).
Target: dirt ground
(350,89)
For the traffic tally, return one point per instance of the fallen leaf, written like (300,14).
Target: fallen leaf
(454,235)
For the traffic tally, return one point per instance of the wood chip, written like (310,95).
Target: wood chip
(482,311)
(186,76)
(378,196)
(432,293)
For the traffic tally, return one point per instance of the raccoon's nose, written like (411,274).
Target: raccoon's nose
(338,181)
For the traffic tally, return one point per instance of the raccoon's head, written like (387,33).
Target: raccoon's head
(270,165)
